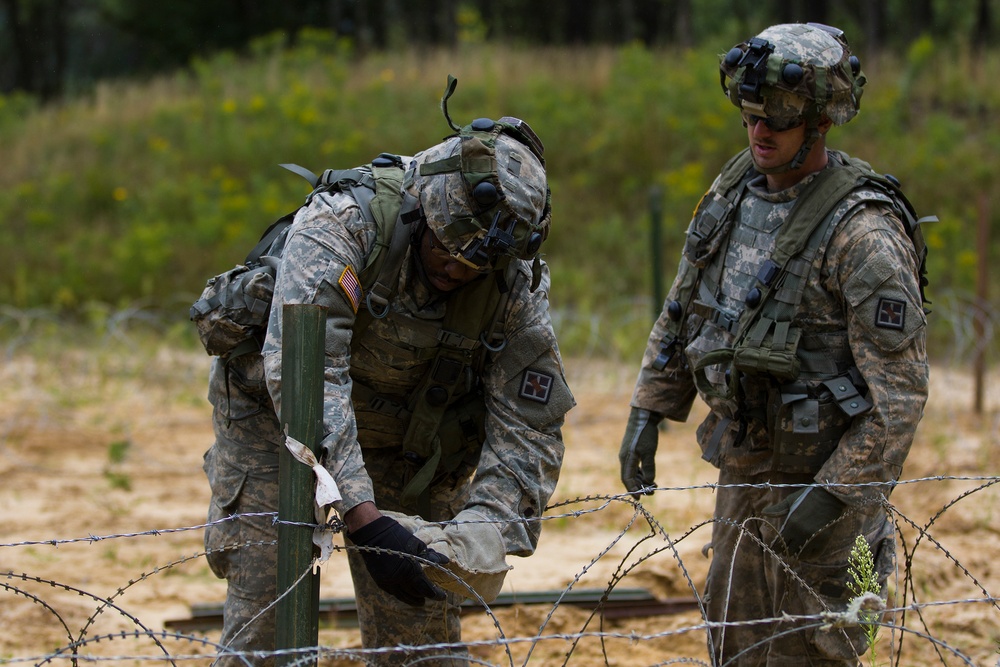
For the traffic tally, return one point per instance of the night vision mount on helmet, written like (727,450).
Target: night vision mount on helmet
(483,190)
(795,70)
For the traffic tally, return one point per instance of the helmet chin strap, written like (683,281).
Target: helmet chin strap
(812,135)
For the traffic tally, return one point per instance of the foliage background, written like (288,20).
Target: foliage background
(139,190)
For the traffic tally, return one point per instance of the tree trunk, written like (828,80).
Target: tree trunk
(38,35)
(982,33)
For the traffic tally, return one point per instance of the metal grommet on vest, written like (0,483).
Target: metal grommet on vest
(483,124)
(414,458)
(675,310)
(437,395)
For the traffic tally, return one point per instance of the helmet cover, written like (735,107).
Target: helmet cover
(794,69)
(484,192)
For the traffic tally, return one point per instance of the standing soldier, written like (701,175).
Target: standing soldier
(797,316)
(444,393)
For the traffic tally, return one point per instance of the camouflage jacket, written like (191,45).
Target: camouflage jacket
(839,310)
(522,385)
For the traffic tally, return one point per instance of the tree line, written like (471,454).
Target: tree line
(49,48)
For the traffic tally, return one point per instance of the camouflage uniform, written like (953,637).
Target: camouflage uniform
(509,478)
(757,439)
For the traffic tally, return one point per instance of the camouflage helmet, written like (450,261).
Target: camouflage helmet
(484,193)
(794,70)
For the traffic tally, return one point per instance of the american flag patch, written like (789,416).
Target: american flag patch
(351,286)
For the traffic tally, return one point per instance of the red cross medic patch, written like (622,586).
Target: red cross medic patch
(890,314)
(536,386)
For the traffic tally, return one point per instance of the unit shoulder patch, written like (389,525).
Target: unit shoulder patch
(536,386)
(890,314)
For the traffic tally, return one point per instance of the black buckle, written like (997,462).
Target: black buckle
(755,61)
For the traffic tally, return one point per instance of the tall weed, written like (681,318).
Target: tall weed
(143,189)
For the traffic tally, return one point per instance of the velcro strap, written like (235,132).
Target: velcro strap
(445,166)
(848,398)
(668,345)
(779,341)
(202,306)
(457,340)
(759,331)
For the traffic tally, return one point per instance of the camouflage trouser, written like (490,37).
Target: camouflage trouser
(385,621)
(244,550)
(242,471)
(245,480)
(747,583)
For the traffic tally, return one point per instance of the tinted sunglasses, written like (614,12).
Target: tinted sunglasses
(773,123)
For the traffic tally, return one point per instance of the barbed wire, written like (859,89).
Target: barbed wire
(640,541)
(653,545)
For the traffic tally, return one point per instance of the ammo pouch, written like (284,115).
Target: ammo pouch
(782,364)
(233,310)
(805,420)
(462,431)
(769,348)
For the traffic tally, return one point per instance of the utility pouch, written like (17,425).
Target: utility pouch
(462,432)
(233,309)
(807,420)
(782,364)
(769,347)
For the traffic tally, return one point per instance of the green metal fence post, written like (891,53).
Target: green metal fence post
(655,236)
(302,410)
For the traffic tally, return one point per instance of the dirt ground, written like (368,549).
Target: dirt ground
(102,498)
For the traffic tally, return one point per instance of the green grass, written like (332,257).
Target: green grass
(138,192)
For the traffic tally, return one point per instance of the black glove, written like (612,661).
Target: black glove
(638,451)
(396,574)
(806,512)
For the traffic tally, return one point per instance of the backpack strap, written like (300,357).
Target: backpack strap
(377,188)
(381,285)
(267,239)
(303,172)
(709,228)
(387,205)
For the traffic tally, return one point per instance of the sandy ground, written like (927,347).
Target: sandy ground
(102,496)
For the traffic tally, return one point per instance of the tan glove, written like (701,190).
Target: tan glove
(474,547)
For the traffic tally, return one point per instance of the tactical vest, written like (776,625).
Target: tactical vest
(417,382)
(443,411)
(813,389)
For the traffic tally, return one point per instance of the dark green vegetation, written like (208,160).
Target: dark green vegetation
(51,48)
(139,192)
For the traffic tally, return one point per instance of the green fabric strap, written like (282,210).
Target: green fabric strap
(811,209)
(443,166)
(468,312)
(770,321)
